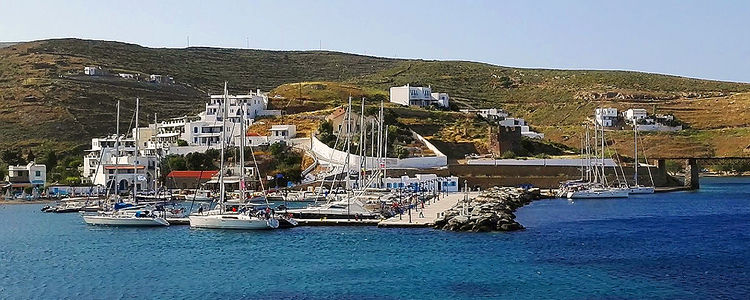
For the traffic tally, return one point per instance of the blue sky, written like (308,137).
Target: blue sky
(704,39)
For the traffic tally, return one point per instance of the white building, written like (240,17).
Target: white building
(93,71)
(104,166)
(282,133)
(156,78)
(31,174)
(606,117)
(635,114)
(491,114)
(422,182)
(418,96)
(205,129)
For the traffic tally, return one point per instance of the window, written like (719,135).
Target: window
(195,129)
(38,173)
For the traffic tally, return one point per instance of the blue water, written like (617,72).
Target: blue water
(687,245)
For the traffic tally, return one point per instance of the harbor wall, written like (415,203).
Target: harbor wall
(486,176)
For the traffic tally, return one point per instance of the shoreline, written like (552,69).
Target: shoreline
(17,202)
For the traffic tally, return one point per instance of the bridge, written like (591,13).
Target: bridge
(692,166)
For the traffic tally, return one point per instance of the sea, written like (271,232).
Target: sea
(681,245)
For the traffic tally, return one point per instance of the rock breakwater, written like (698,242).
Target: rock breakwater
(491,210)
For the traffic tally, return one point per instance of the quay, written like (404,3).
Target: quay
(336,222)
(430,212)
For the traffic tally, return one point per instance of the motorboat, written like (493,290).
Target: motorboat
(125,218)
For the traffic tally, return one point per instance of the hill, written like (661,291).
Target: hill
(45,101)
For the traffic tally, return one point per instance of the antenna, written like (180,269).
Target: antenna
(247,38)
(188,41)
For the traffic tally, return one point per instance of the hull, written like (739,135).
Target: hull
(241,222)
(598,194)
(124,221)
(330,215)
(642,190)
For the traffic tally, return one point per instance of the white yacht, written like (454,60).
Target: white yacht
(219,218)
(124,219)
(598,192)
(340,209)
(216,219)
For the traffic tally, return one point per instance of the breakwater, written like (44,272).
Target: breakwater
(491,210)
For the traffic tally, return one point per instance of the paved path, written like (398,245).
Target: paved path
(431,212)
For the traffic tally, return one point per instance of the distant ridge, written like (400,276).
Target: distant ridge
(44,79)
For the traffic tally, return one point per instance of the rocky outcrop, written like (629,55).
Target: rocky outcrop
(492,210)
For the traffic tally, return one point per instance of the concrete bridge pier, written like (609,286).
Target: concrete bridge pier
(691,174)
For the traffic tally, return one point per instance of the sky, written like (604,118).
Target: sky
(702,39)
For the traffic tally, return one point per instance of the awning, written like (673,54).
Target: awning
(164,135)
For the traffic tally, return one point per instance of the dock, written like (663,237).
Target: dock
(430,212)
(337,222)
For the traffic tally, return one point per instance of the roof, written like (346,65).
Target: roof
(283,127)
(252,134)
(193,174)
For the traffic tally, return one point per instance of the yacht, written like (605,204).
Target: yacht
(637,188)
(242,218)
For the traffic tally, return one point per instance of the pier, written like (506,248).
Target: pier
(430,212)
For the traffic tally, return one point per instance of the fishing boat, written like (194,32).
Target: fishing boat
(219,217)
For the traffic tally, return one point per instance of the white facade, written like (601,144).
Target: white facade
(635,114)
(606,117)
(282,133)
(205,129)
(492,114)
(103,166)
(32,174)
(422,182)
(93,71)
(418,96)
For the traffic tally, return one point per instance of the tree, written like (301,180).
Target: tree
(51,160)
(508,155)
(13,157)
(30,156)
(182,143)
(325,133)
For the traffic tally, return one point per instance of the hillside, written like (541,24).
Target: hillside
(45,98)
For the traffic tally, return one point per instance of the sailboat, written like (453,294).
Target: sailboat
(219,217)
(597,186)
(130,216)
(350,203)
(637,188)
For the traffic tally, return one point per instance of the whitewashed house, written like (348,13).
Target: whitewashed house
(633,115)
(93,71)
(418,96)
(282,133)
(104,166)
(606,117)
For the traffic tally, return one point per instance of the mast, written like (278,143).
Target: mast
(635,138)
(242,153)
(223,142)
(117,151)
(135,157)
(362,151)
(348,144)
